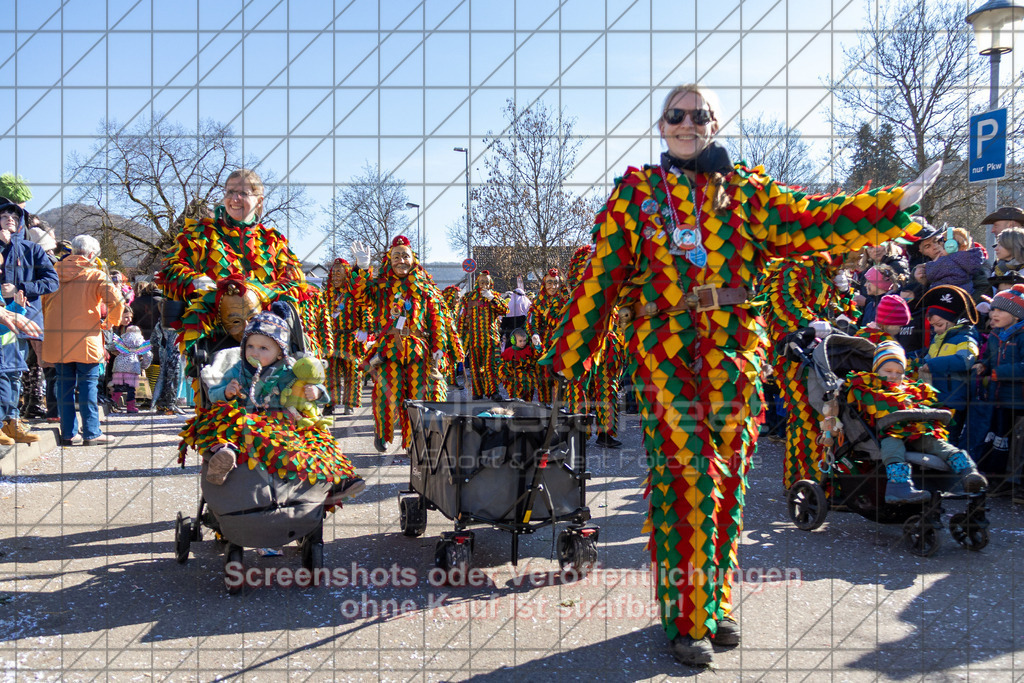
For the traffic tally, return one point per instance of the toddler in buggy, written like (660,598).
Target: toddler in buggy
(884,392)
(866,419)
(288,475)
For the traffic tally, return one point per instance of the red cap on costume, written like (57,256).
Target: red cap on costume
(400,241)
(553,272)
(485,272)
(341,261)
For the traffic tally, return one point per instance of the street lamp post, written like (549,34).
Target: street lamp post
(419,242)
(994,24)
(469,225)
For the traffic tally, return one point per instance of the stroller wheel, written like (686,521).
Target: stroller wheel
(182,538)
(920,537)
(412,518)
(233,569)
(312,555)
(970,536)
(808,505)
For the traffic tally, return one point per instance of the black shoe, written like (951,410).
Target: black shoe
(460,384)
(67,442)
(606,440)
(692,652)
(328,409)
(379,444)
(495,396)
(727,633)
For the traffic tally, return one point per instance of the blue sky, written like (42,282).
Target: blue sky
(317,89)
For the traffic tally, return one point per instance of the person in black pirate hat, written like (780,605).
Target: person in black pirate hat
(952,346)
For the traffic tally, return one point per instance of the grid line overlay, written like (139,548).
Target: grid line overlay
(313,127)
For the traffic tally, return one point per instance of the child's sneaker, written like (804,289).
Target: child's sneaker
(220,464)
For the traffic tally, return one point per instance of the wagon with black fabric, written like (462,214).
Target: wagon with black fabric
(512,465)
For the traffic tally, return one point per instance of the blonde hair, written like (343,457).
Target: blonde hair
(248,176)
(719,196)
(963,239)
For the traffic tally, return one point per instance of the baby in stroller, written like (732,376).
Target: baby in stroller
(260,376)
(885,391)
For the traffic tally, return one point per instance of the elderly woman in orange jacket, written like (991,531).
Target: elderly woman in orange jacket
(74,337)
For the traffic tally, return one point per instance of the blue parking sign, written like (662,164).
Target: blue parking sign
(988,146)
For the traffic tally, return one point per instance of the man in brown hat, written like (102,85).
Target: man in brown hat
(1002,218)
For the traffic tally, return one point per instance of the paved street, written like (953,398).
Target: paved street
(89,588)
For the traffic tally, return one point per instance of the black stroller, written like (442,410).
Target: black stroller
(854,468)
(253,507)
(513,465)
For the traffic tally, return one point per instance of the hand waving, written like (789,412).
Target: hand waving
(361,254)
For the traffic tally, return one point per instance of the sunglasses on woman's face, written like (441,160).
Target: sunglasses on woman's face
(699,117)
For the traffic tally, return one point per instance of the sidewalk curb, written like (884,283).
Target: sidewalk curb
(17,456)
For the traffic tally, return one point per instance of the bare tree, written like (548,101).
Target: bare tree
(370,208)
(140,184)
(523,204)
(913,71)
(780,149)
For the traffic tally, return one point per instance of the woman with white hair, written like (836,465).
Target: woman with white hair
(678,247)
(74,337)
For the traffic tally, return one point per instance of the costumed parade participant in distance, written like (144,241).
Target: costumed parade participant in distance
(452,295)
(405,306)
(350,325)
(482,310)
(682,243)
(545,313)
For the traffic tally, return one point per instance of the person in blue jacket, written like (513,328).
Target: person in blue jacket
(1003,363)
(955,342)
(26,269)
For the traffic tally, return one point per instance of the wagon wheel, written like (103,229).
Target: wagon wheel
(576,553)
(412,515)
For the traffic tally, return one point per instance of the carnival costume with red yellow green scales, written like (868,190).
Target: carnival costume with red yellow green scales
(875,398)
(218,247)
(315,315)
(406,353)
(478,330)
(347,317)
(798,291)
(453,301)
(517,370)
(576,391)
(545,313)
(697,372)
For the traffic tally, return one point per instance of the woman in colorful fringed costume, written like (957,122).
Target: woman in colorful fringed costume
(545,314)
(232,242)
(680,245)
(482,310)
(350,325)
(405,308)
(799,291)
(315,314)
